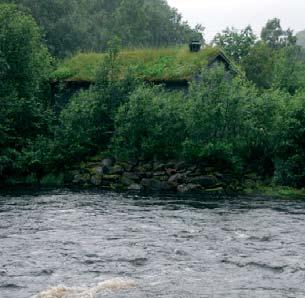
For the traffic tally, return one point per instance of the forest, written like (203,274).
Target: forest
(251,120)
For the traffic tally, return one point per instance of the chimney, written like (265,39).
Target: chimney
(195,46)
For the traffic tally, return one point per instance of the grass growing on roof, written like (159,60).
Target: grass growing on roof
(167,64)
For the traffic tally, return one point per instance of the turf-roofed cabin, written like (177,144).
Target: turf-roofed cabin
(172,67)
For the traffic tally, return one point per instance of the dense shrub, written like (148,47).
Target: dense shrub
(217,116)
(150,124)
(290,143)
(25,63)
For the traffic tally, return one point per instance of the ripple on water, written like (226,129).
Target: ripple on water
(171,245)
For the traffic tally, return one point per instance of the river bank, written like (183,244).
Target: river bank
(156,176)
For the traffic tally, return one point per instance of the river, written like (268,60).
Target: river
(150,245)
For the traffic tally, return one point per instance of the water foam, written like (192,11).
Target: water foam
(115,284)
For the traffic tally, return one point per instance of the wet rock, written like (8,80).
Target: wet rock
(111,178)
(180,166)
(116,170)
(159,173)
(159,167)
(170,165)
(194,173)
(127,182)
(154,184)
(145,167)
(148,175)
(215,190)
(185,188)
(171,172)
(81,179)
(219,176)
(135,187)
(177,178)
(205,181)
(96,180)
(132,164)
(192,168)
(108,162)
(162,178)
(100,170)
(131,176)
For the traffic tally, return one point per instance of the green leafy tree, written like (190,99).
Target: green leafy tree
(301,38)
(259,65)
(290,60)
(86,124)
(289,138)
(275,36)
(25,65)
(25,61)
(236,44)
(86,25)
(150,124)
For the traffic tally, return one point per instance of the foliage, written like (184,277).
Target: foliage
(150,124)
(290,145)
(218,121)
(235,44)
(275,36)
(84,25)
(25,62)
(82,129)
(250,121)
(259,65)
(290,60)
(86,124)
(301,38)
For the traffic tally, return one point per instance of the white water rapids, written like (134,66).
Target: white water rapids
(85,244)
(112,285)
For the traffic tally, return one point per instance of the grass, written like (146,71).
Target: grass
(277,191)
(164,64)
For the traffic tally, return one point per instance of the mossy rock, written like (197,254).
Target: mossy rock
(113,178)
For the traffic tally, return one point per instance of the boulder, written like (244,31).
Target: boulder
(131,176)
(171,172)
(116,170)
(159,167)
(205,181)
(177,178)
(144,167)
(135,187)
(108,162)
(154,184)
(185,188)
(96,180)
(111,178)
(180,166)
(101,170)
(132,164)
(77,179)
(127,182)
(159,173)
(192,168)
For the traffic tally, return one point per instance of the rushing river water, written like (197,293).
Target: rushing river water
(150,246)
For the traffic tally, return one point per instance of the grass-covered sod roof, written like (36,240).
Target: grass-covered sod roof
(169,64)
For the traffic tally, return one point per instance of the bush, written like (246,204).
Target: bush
(25,64)
(84,128)
(290,143)
(217,116)
(150,124)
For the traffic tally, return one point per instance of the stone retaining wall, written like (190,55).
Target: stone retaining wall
(153,176)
